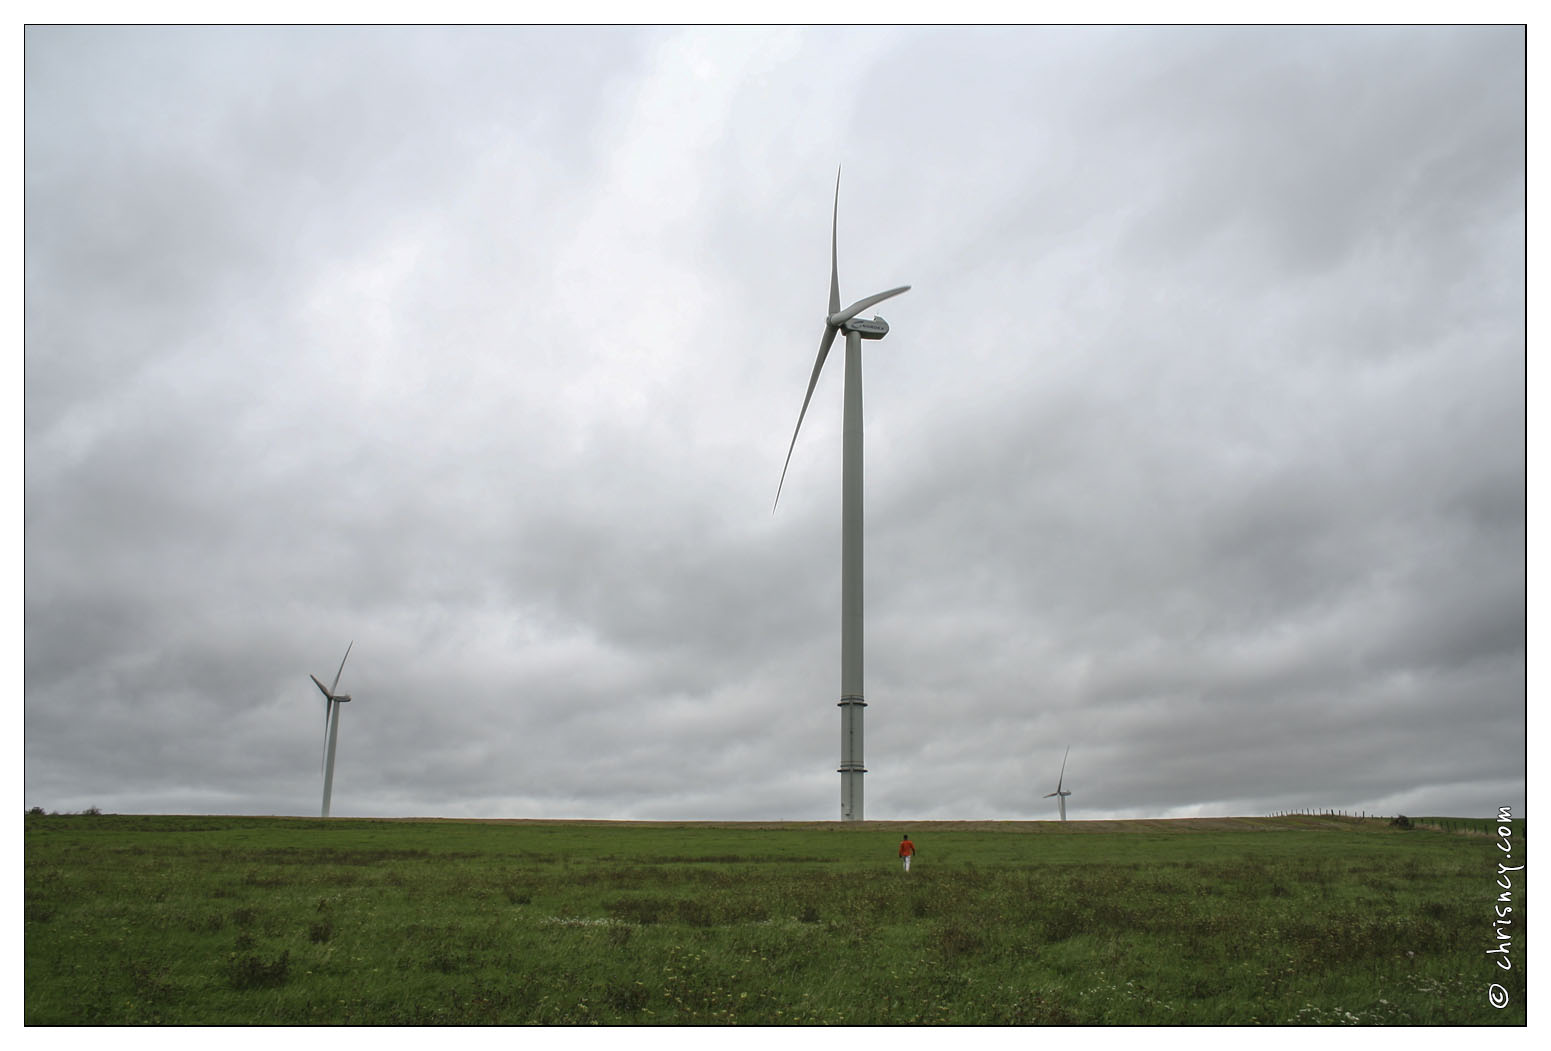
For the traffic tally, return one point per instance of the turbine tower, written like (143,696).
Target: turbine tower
(852,700)
(332,701)
(1058,793)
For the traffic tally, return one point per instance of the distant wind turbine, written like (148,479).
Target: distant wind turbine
(1058,793)
(332,701)
(856,329)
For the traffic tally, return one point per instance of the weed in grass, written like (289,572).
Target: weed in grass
(627,998)
(638,910)
(693,913)
(248,971)
(955,940)
(208,923)
(150,979)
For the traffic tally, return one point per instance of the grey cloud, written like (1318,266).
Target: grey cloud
(1198,444)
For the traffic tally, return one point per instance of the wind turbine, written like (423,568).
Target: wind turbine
(332,701)
(1058,793)
(856,329)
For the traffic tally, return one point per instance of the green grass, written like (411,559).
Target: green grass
(202,920)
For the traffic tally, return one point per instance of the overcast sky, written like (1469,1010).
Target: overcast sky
(1198,445)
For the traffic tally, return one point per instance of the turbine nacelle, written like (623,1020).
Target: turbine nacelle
(877,328)
(329,694)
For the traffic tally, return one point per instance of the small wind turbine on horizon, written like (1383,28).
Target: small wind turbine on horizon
(856,329)
(1058,793)
(332,701)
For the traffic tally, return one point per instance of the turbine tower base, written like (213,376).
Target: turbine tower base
(852,768)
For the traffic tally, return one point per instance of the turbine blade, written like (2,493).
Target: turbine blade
(321,687)
(824,345)
(341,670)
(834,257)
(840,317)
(1062,779)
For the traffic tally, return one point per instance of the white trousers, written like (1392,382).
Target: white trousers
(907,862)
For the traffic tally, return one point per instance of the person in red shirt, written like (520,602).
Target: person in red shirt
(907,850)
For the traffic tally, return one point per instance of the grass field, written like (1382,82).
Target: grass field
(202,920)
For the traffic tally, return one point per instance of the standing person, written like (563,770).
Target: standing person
(907,850)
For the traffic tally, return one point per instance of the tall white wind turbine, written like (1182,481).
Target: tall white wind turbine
(1058,793)
(332,701)
(856,329)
